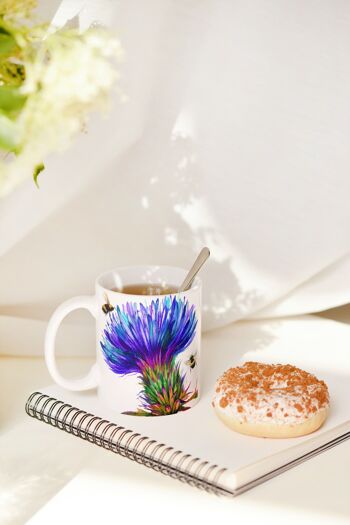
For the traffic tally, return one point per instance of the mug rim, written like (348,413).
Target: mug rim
(196,285)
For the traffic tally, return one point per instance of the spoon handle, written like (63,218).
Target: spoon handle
(197,265)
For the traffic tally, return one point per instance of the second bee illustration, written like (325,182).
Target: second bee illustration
(192,362)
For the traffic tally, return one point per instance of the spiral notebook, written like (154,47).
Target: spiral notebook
(194,446)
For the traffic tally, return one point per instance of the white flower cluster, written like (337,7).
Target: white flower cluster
(68,75)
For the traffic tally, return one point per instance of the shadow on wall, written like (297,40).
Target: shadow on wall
(167,219)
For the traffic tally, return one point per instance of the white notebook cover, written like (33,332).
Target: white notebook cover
(319,346)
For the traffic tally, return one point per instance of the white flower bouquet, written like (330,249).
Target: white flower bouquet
(49,81)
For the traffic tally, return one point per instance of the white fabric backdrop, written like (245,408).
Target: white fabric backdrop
(235,135)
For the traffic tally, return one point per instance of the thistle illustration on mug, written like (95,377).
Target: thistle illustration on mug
(146,340)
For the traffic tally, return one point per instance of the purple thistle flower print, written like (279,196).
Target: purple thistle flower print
(145,340)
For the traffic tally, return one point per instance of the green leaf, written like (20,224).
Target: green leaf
(37,170)
(7,42)
(11,99)
(8,134)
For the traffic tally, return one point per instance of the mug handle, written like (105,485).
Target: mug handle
(91,379)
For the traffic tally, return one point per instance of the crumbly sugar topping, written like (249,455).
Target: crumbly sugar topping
(261,392)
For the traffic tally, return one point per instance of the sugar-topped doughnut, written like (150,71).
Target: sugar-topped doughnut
(278,401)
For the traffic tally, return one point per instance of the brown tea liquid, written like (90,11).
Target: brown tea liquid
(147,289)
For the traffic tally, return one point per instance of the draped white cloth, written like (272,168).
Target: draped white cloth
(235,135)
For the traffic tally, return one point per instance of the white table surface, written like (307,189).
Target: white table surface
(47,476)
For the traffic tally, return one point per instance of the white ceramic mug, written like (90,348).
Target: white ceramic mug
(148,346)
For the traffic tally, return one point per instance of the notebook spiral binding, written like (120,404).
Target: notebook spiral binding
(117,439)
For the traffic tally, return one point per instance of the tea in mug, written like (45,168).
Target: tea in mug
(147,289)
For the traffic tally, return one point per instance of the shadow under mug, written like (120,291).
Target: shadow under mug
(147,346)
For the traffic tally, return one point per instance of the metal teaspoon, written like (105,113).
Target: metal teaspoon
(197,265)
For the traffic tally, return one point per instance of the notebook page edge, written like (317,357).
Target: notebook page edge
(277,461)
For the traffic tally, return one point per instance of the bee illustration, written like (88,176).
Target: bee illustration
(191,362)
(107,307)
